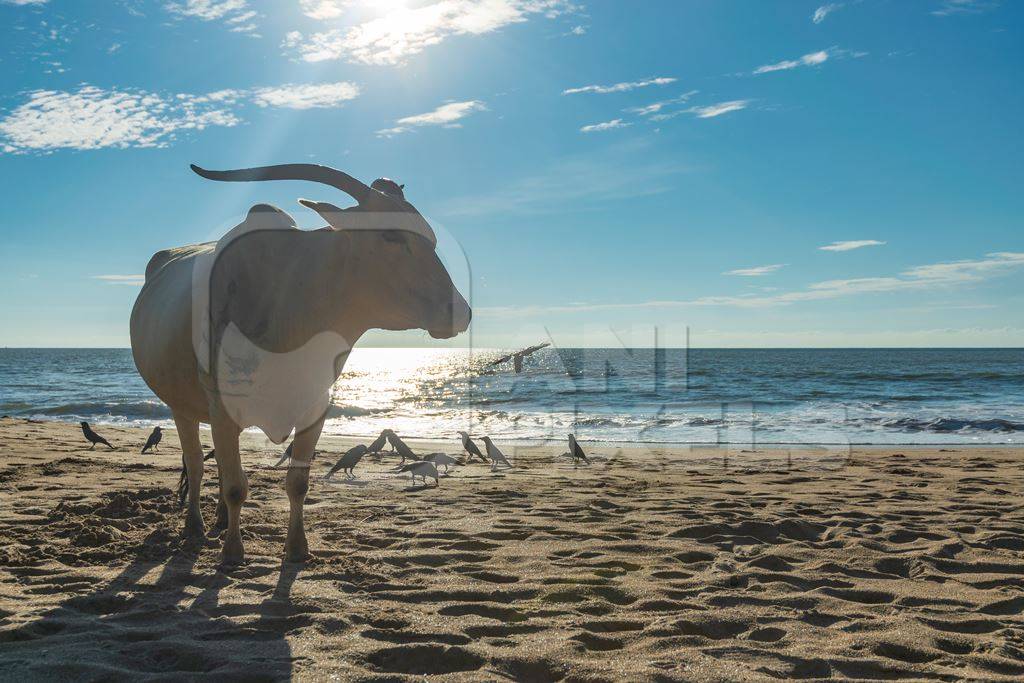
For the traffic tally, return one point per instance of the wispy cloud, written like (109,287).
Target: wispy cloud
(932,277)
(404,32)
(236,14)
(577,30)
(657,107)
(126,280)
(756,271)
(619,87)
(22,3)
(587,181)
(851,244)
(702,112)
(298,96)
(606,125)
(950,7)
(447,115)
(323,9)
(811,59)
(714,110)
(825,10)
(94,118)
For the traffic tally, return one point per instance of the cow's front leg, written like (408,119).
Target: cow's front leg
(296,549)
(233,484)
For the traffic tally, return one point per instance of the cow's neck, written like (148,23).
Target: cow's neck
(348,314)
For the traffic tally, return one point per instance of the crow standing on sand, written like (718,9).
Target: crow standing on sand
(401,447)
(470,447)
(575,452)
(496,456)
(93,437)
(442,459)
(348,461)
(424,469)
(154,440)
(378,444)
(183,481)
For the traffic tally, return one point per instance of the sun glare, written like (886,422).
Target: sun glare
(384,6)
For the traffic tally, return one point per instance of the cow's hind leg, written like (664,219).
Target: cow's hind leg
(296,549)
(233,484)
(192,457)
(221,523)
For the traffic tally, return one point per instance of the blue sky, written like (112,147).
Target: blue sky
(599,168)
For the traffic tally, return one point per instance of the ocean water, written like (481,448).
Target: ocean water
(843,396)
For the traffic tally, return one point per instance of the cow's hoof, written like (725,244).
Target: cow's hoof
(194,527)
(233,554)
(296,551)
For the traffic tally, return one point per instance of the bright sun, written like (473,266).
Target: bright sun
(386,5)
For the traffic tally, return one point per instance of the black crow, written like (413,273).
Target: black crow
(154,440)
(93,437)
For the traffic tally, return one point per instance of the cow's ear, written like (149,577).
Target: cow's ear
(330,213)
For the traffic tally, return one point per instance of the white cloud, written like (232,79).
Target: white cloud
(825,10)
(126,280)
(932,277)
(811,59)
(447,115)
(93,118)
(323,9)
(404,31)
(306,96)
(704,112)
(606,125)
(714,110)
(951,7)
(619,87)
(577,30)
(756,271)
(851,244)
(23,3)
(207,10)
(235,13)
(656,107)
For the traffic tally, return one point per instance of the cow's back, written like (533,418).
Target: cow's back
(161,331)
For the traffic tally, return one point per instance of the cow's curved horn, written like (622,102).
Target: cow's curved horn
(313,172)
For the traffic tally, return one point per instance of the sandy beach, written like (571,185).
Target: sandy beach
(659,565)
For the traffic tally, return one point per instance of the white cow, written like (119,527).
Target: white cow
(254,329)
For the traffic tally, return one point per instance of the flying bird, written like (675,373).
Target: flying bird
(470,447)
(348,461)
(93,437)
(422,468)
(154,440)
(496,456)
(183,481)
(442,459)
(518,356)
(575,452)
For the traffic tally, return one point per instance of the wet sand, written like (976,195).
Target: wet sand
(648,565)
